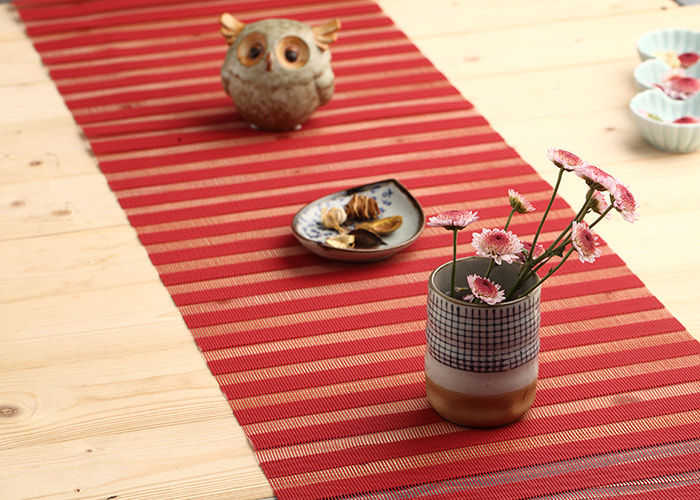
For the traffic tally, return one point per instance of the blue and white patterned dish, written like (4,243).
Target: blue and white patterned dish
(669,39)
(663,135)
(393,199)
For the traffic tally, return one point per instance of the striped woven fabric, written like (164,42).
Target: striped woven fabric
(322,361)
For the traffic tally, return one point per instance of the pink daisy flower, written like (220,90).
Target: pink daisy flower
(596,178)
(497,244)
(564,159)
(484,289)
(539,249)
(584,241)
(519,203)
(453,219)
(599,204)
(624,202)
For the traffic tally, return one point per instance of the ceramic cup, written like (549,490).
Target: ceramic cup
(481,361)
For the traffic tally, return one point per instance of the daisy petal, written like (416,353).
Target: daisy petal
(453,219)
(498,245)
(585,242)
(485,289)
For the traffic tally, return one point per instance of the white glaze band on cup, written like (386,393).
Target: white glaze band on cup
(480,384)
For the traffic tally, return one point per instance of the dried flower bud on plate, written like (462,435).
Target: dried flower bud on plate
(362,208)
(333,218)
(371,240)
(387,225)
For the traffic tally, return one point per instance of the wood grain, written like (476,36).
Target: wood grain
(103,392)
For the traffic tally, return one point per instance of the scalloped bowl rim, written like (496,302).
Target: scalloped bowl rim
(653,63)
(669,137)
(645,54)
(662,95)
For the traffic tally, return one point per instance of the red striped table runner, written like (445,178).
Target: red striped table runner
(322,361)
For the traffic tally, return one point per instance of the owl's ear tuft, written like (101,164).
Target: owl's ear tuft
(325,34)
(230,27)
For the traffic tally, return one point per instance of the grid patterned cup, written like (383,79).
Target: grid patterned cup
(481,361)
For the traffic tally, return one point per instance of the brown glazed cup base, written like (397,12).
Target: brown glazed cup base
(480,411)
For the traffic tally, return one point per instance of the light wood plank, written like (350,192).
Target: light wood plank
(103,389)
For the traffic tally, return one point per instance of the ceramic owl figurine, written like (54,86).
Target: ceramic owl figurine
(277,71)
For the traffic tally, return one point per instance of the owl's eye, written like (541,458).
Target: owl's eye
(292,52)
(291,55)
(252,49)
(255,51)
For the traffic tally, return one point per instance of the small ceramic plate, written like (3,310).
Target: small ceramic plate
(393,199)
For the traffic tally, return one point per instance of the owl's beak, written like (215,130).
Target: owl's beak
(268,61)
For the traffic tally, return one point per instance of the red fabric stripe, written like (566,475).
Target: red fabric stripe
(144,16)
(382,32)
(481,465)
(330,403)
(591,478)
(185,157)
(222,111)
(318,159)
(224,133)
(558,423)
(106,38)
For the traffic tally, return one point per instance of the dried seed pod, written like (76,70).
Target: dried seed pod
(384,226)
(362,208)
(366,239)
(333,218)
(341,241)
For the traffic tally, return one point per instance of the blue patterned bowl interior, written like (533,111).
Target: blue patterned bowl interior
(392,198)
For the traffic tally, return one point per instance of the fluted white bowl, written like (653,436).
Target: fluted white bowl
(652,71)
(668,39)
(671,137)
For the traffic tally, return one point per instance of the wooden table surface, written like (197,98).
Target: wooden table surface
(103,392)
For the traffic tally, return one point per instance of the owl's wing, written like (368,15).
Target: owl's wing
(325,85)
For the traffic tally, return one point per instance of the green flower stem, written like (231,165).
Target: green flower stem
(546,212)
(492,263)
(586,205)
(567,231)
(550,272)
(601,216)
(510,217)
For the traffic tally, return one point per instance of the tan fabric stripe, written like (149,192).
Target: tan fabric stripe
(389,409)
(290,210)
(358,387)
(232,143)
(360,360)
(226,162)
(315,341)
(450,456)
(355,361)
(313,393)
(316,169)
